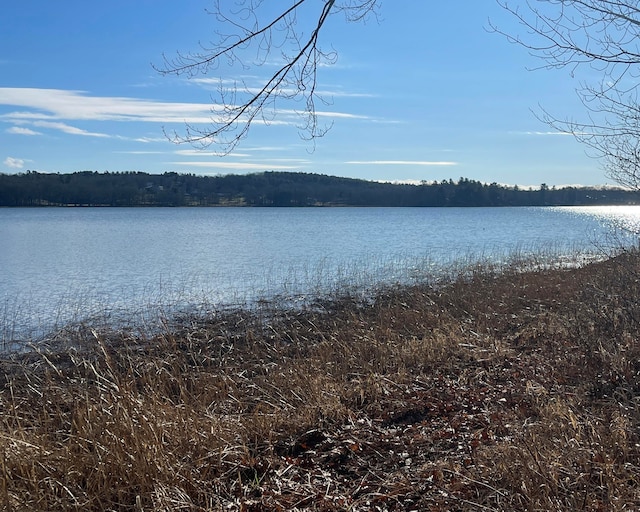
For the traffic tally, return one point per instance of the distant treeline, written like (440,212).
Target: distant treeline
(280,189)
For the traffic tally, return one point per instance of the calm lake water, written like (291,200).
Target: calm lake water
(60,265)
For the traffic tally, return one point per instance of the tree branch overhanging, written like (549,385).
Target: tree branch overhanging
(603,35)
(245,40)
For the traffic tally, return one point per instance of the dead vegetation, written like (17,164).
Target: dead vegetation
(497,391)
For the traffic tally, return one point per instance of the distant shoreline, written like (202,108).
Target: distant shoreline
(282,189)
(324,206)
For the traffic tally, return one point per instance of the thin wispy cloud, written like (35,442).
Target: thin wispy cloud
(147,140)
(62,105)
(341,115)
(400,162)
(235,165)
(19,130)
(58,104)
(198,153)
(14,163)
(241,86)
(68,129)
(544,134)
(292,160)
(267,148)
(141,152)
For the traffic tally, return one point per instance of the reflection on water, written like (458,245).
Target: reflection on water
(624,218)
(67,264)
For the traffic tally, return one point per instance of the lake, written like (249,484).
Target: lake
(62,265)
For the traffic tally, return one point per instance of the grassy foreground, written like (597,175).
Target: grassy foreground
(497,391)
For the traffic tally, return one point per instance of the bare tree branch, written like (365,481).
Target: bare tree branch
(605,36)
(244,40)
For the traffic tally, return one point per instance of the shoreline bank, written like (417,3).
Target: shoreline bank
(500,390)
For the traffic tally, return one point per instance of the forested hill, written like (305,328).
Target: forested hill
(279,189)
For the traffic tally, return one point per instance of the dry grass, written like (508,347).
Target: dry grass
(498,391)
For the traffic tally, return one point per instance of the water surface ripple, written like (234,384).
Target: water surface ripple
(60,265)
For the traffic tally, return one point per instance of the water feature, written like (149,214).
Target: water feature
(61,265)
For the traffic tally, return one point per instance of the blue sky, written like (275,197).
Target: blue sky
(424,93)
